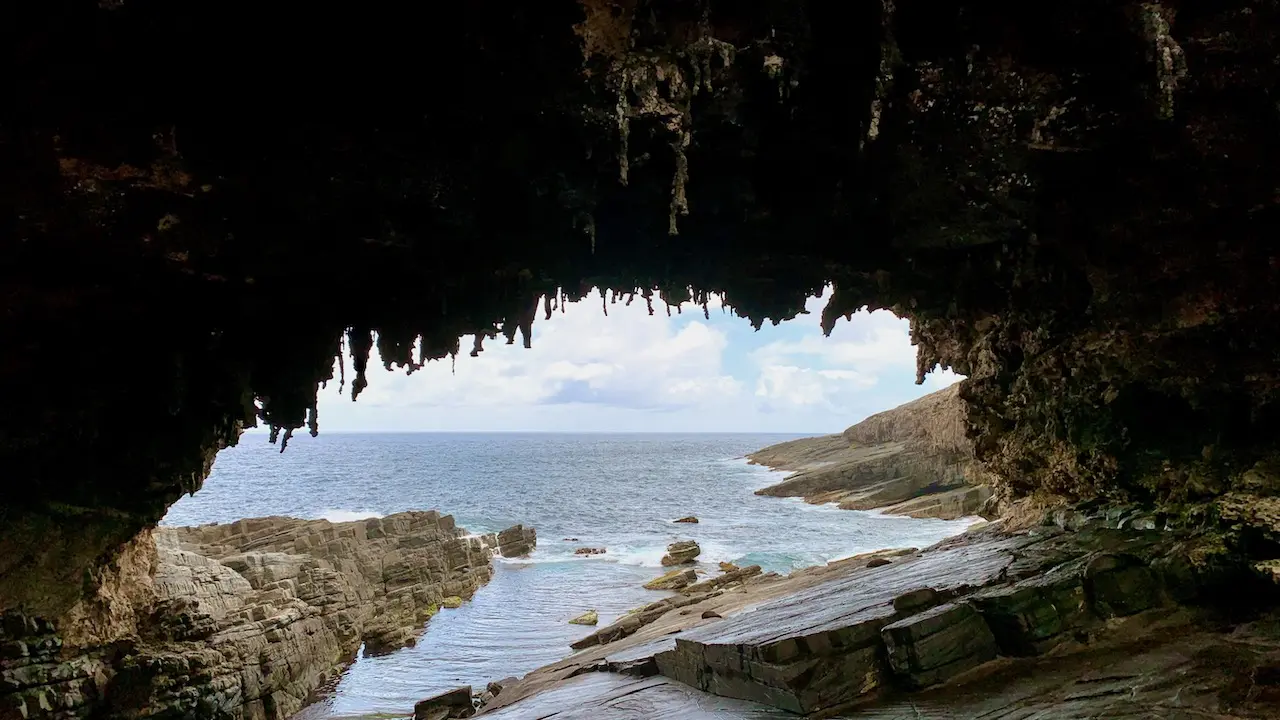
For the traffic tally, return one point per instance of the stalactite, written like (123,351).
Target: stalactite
(648,300)
(546,306)
(527,314)
(284,442)
(604,305)
(478,346)
(630,297)
(313,420)
(360,340)
(342,369)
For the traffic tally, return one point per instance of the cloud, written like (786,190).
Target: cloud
(632,371)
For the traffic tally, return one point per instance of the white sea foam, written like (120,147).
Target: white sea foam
(340,516)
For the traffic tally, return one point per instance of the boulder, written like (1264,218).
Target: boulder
(876,562)
(727,567)
(589,551)
(589,617)
(690,519)
(517,541)
(708,614)
(453,602)
(681,553)
(453,704)
(673,580)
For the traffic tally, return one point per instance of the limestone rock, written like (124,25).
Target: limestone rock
(681,553)
(673,580)
(453,602)
(245,619)
(938,644)
(517,541)
(727,567)
(453,704)
(589,617)
(690,519)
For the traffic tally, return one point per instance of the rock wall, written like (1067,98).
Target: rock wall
(242,620)
(912,460)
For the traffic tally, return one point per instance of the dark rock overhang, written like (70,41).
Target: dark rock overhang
(1073,203)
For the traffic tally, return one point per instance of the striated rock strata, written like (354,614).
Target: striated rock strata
(912,460)
(1091,617)
(242,620)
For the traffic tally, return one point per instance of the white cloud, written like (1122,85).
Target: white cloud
(632,371)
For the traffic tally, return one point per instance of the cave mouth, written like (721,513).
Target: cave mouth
(1073,205)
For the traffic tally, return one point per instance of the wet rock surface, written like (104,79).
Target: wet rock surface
(673,580)
(456,703)
(247,619)
(517,541)
(978,612)
(681,553)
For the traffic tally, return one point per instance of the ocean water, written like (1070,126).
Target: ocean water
(619,492)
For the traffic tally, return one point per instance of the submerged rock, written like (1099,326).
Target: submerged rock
(681,553)
(589,617)
(673,580)
(589,551)
(690,519)
(456,703)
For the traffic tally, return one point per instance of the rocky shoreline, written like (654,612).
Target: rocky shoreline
(246,619)
(1053,614)
(913,460)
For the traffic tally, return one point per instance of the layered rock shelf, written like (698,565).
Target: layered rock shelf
(246,619)
(966,625)
(912,460)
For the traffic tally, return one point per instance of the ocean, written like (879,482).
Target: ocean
(620,492)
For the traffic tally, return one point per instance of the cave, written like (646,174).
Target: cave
(1075,205)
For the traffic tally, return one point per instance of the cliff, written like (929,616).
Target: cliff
(244,620)
(912,460)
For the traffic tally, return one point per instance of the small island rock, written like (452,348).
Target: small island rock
(681,553)
(690,519)
(589,617)
(589,551)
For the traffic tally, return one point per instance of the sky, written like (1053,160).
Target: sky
(632,372)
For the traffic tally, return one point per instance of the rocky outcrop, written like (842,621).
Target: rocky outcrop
(589,551)
(961,629)
(456,703)
(517,541)
(681,552)
(589,617)
(673,580)
(912,460)
(689,520)
(243,620)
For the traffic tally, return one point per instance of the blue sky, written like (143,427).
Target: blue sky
(631,372)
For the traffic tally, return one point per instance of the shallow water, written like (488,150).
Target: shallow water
(620,492)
